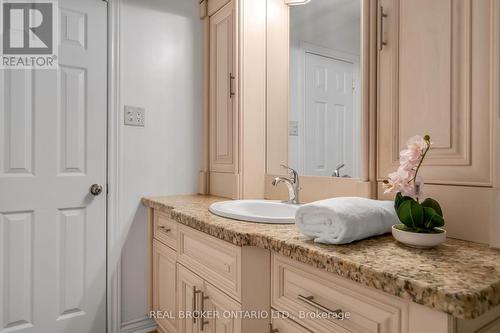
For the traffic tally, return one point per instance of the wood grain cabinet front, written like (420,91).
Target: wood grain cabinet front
(438,74)
(164,287)
(217,261)
(189,288)
(165,229)
(225,310)
(201,274)
(234,98)
(324,303)
(223,111)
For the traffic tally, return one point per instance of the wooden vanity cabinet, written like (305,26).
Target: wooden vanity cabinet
(199,273)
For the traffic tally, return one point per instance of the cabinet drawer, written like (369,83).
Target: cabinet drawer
(216,261)
(165,229)
(308,294)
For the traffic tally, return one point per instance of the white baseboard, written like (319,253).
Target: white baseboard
(141,325)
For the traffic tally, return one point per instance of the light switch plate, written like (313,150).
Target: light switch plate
(135,116)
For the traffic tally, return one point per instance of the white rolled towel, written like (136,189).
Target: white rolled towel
(345,220)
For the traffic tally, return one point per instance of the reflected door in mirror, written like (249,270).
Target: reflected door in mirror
(324,116)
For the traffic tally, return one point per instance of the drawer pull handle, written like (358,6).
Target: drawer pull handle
(195,307)
(381,17)
(203,322)
(164,228)
(231,88)
(310,300)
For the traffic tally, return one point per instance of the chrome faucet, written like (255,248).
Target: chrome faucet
(336,172)
(292,184)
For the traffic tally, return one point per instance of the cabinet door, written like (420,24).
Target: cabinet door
(435,75)
(282,325)
(223,115)
(189,288)
(164,286)
(227,319)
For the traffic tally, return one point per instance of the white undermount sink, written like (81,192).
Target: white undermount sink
(260,211)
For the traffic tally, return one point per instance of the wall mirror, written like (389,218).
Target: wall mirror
(324,121)
(321,95)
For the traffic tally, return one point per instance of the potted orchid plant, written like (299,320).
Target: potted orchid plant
(421,221)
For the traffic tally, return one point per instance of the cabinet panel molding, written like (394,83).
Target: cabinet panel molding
(188,287)
(370,311)
(217,261)
(223,114)
(164,286)
(430,83)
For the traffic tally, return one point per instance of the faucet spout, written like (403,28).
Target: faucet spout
(292,185)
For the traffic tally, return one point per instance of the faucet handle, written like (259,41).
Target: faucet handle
(293,173)
(336,172)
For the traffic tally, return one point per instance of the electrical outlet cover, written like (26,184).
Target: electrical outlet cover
(134,116)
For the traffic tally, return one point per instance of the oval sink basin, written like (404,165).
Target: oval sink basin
(260,211)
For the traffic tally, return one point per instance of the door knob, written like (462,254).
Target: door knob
(95,189)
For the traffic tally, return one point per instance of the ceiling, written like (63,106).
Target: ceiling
(334,24)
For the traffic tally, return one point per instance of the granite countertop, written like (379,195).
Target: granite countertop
(458,277)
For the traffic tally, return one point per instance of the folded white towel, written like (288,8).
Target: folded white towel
(344,220)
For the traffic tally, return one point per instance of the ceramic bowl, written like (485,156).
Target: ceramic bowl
(418,240)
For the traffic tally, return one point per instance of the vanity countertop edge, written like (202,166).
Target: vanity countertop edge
(460,278)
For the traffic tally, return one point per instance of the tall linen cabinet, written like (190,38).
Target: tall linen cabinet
(235,98)
(438,74)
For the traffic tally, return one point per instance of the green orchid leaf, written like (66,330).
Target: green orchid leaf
(400,199)
(397,200)
(432,218)
(431,203)
(411,214)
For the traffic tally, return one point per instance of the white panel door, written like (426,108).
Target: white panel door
(329,128)
(52,148)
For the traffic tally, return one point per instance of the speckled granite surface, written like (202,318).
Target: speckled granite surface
(460,278)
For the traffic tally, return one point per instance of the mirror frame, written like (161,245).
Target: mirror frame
(278,43)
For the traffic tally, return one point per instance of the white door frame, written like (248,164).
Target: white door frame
(115,158)
(306,47)
(115,236)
